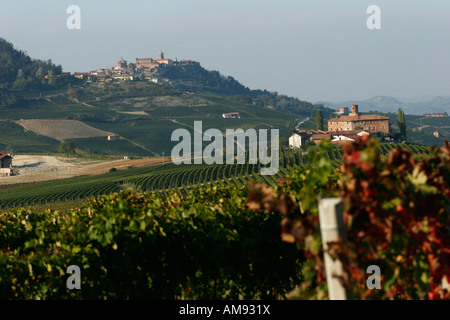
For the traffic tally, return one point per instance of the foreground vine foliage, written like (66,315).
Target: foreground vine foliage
(129,245)
(397,216)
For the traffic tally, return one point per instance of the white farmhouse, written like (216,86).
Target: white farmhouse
(298,139)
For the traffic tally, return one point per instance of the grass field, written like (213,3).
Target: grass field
(101,146)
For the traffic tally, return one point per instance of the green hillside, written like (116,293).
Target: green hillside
(419,129)
(145,118)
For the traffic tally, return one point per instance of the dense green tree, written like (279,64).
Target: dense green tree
(319,120)
(67,147)
(401,123)
(50,77)
(7,98)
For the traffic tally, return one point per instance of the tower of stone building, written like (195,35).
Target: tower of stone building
(122,64)
(161,55)
(354,112)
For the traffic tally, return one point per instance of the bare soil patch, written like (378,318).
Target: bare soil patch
(32,168)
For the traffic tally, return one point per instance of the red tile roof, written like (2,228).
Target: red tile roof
(350,132)
(320,136)
(4,155)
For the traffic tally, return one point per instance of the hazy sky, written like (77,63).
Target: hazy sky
(313,50)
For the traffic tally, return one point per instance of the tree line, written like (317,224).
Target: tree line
(20,72)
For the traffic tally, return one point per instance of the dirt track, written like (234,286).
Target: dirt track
(42,168)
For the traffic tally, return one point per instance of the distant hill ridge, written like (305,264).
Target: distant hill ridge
(390,104)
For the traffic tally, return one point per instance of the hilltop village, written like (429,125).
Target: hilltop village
(144,68)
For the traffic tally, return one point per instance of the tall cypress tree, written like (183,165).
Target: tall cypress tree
(401,123)
(319,120)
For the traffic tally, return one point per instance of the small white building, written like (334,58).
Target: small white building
(231,115)
(298,139)
(123,77)
(295,141)
(113,137)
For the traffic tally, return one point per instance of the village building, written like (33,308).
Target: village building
(113,137)
(99,72)
(343,111)
(5,164)
(144,67)
(162,60)
(168,62)
(122,77)
(298,139)
(350,136)
(122,64)
(436,114)
(149,63)
(316,138)
(231,115)
(81,75)
(146,63)
(98,78)
(436,134)
(342,136)
(357,121)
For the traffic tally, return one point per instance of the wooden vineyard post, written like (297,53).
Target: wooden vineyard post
(332,228)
